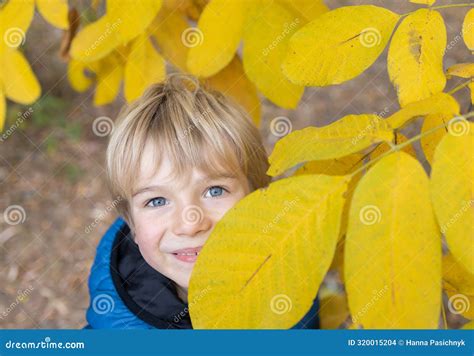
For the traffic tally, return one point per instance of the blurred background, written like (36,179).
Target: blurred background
(52,166)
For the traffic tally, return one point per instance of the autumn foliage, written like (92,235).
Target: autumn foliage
(352,196)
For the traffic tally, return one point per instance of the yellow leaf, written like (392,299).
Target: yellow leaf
(176,5)
(263,53)
(415,56)
(307,10)
(190,8)
(393,248)
(217,37)
(348,135)
(167,30)
(452,190)
(468,30)
(333,167)
(15,19)
(123,21)
(20,83)
(96,40)
(440,103)
(324,52)
(463,70)
(337,167)
(333,310)
(263,263)
(431,121)
(55,12)
(3,108)
(459,286)
(232,81)
(423,2)
(139,15)
(469,325)
(144,67)
(109,74)
(430,141)
(385,147)
(456,278)
(75,72)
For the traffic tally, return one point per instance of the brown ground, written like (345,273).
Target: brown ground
(53,167)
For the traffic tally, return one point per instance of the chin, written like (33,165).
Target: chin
(183,282)
(179,277)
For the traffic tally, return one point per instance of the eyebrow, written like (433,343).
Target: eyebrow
(210,177)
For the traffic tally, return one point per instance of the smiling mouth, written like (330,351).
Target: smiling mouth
(186,254)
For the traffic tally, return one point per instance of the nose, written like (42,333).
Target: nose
(191,221)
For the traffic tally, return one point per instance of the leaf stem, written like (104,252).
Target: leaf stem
(441,7)
(398,147)
(451,5)
(459,87)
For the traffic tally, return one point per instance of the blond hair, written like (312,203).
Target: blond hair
(193,125)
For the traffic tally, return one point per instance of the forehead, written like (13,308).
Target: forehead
(158,166)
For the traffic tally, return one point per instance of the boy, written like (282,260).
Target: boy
(178,158)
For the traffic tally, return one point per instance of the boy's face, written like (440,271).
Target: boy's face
(172,222)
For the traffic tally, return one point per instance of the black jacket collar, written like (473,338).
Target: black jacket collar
(147,293)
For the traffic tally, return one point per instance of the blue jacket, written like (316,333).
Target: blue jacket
(126,293)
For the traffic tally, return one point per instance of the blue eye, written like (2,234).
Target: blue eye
(157,202)
(215,191)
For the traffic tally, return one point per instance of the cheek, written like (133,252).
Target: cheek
(148,232)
